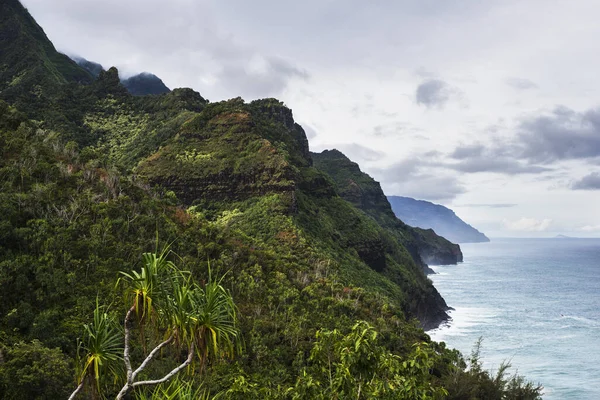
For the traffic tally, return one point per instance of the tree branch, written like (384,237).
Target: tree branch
(187,362)
(126,359)
(126,349)
(151,356)
(72,396)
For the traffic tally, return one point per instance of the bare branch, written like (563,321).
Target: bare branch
(170,374)
(72,396)
(126,350)
(151,355)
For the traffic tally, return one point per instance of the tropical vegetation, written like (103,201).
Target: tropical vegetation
(283,277)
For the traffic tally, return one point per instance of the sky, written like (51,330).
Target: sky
(488,107)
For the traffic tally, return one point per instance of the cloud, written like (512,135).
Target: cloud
(195,48)
(310,132)
(588,182)
(492,205)
(503,165)
(561,135)
(590,228)
(398,128)
(433,93)
(527,224)
(357,152)
(412,178)
(540,140)
(476,158)
(468,151)
(521,83)
(260,76)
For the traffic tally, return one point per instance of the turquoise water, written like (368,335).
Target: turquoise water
(536,303)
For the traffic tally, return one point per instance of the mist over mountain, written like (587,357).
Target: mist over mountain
(141,84)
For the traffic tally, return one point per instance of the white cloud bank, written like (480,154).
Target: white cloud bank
(527,224)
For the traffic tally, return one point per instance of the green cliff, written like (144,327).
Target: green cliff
(365,193)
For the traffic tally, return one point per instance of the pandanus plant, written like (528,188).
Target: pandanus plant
(199,319)
(102,348)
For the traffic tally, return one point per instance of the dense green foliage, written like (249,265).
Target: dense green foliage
(365,193)
(91,176)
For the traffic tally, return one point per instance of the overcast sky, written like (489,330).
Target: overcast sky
(488,107)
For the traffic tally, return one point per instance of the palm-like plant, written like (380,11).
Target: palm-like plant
(213,322)
(146,286)
(103,348)
(177,390)
(202,320)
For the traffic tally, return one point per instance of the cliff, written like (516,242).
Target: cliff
(442,220)
(366,194)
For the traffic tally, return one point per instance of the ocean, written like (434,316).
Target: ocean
(535,303)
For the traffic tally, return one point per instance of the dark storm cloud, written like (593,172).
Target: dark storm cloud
(433,93)
(415,178)
(588,182)
(521,83)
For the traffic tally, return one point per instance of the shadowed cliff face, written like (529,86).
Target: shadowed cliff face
(365,193)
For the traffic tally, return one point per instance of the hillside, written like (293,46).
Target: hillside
(30,66)
(92,177)
(442,220)
(365,193)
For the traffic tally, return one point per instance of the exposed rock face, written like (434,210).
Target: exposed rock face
(442,220)
(220,156)
(365,193)
(435,252)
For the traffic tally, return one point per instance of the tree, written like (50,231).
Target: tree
(33,372)
(170,311)
(357,366)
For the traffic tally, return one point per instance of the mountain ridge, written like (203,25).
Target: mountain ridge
(366,194)
(442,220)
